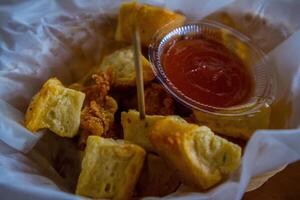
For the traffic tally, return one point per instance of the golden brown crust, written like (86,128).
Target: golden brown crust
(99,90)
(157,101)
(136,130)
(201,158)
(110,169)
(97,116)
(149,18)
(94,119)
(55,107)
(120,66)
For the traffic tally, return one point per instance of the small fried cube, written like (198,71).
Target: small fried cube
(149,19)
(120,65)
(136,130)
(110,169)
(202,158)
(55,107)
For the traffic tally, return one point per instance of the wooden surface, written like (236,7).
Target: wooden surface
(283,186)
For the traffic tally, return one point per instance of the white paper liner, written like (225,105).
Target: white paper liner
(42,39)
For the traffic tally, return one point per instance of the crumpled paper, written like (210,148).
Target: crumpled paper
(42,39)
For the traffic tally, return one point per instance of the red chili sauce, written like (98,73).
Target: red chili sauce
(207,72)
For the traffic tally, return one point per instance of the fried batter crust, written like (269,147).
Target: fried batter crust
(157,101)
(97,115)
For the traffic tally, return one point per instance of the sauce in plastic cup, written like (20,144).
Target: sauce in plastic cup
(239,120)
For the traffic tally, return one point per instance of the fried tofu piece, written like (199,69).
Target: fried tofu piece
(202,158)
(157,178)
(136,130)
(149,20)
(120,65)
(110,169)
(55,107)
(229,126)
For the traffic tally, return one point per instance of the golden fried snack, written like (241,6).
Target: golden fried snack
(120,64)
(228,126)
(149,20)
(202,158)
(110,169)
(96,118)
(97,115)
(56,108)
(136,130)
(157,178)
(157,101)
(98,89)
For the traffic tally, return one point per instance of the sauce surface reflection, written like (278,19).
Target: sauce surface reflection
(207,72)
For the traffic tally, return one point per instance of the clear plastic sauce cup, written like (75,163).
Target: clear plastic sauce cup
(239,120)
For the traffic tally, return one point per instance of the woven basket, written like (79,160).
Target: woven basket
(259,180)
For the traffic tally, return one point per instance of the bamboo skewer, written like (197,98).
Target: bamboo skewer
(138,69)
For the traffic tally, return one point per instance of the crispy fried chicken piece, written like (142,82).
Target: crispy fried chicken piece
(95,119)
(98,91)
(157,101)
(97,115)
